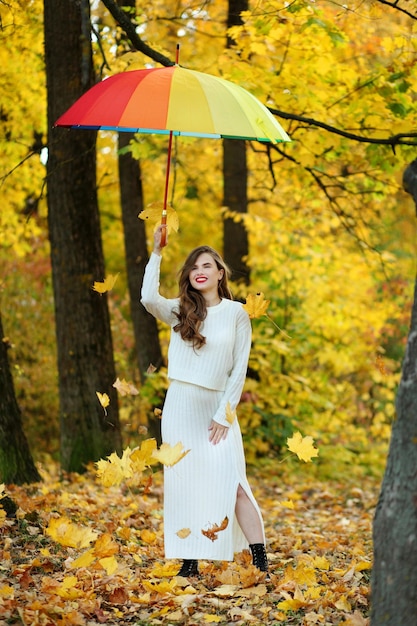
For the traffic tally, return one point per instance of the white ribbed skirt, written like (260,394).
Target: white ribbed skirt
(201,489)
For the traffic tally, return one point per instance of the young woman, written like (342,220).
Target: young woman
(207,362)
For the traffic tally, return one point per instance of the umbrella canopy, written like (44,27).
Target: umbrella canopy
(173,100)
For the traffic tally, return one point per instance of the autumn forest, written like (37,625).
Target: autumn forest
(319,233)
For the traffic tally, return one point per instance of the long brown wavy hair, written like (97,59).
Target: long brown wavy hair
(193,309)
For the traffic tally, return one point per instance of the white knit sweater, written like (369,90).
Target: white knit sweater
(221,363)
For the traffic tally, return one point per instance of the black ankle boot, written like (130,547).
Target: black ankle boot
(259,558)
(189,568)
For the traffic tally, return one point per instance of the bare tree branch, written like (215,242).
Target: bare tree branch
(396,4)
(129,28)
(403,139)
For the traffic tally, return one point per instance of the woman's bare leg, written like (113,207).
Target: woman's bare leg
(248,517)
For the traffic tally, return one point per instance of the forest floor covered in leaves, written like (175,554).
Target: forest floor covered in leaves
(76,553)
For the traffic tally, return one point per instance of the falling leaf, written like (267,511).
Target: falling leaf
(142,457)
(153,213)
(151,369)
(170,455)
(115,469)
(212,532)
(183,533)
(157,413)
(104,400)
(230,415)
(303,447)
(106,285)
(256,305)
(125,388)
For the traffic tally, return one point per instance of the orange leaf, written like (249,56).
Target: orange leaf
(125,388)
(211,533)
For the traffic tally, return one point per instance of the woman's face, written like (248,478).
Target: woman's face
(205,275)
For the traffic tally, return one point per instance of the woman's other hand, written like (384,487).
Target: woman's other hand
(217,432)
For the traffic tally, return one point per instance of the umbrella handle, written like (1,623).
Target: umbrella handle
(164,228)
(164,210)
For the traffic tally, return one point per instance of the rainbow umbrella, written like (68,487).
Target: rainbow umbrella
(173,101)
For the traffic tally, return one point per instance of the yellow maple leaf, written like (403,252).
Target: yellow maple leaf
(148,536)
(320,562)
(302,574)
(105,285)
(291,605)
(164,570)
(125,388)
(115,469)
(104,400)
(170,455)
(110,564)
(256,305)
(84,560)
(6,591)
(230,414)
(105,546)
(153,213)
(68,534)
(163,587)
(303,447)
(67,589)
(288,504)
(142,457)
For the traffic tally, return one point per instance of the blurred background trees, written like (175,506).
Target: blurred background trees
(330,232)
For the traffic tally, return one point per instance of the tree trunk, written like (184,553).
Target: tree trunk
(148,349)
(394,576)
(145,328)
(16,463)
(85,351)
(235,176)
(236,246)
